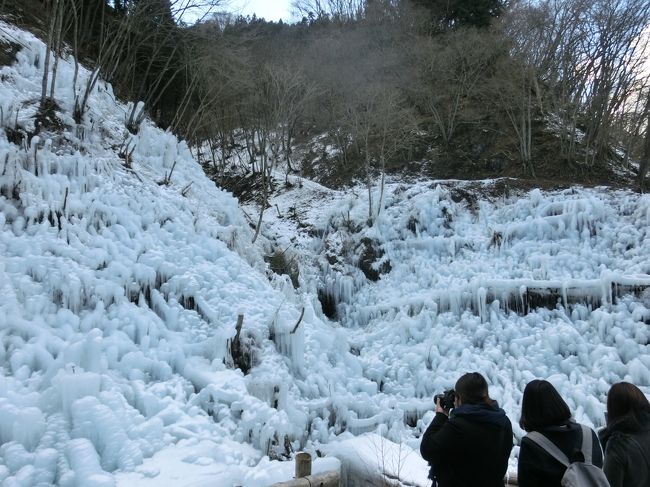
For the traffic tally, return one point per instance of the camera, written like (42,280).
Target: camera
(447,399)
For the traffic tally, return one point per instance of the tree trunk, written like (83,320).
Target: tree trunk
(58,34)
(265,195)
(48,48)
(644,163)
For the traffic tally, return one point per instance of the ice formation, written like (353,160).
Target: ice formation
(120,297)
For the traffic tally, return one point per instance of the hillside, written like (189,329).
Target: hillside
(119,297)
(124,271)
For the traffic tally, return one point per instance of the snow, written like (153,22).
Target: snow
(121,294)
(374,459)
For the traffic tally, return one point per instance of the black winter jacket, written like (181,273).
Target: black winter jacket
(537,468)
(627,454)
(470,449)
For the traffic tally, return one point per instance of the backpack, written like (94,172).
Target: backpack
(577,474)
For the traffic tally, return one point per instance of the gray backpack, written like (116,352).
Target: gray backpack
(577,474)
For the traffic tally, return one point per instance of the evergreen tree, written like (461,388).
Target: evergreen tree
(451,14)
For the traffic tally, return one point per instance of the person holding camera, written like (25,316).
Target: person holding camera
(468,443)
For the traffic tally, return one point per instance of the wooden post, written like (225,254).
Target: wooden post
(303,465)
(511,479)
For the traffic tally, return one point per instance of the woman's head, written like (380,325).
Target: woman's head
(472,388)
(626,402)
(542,406)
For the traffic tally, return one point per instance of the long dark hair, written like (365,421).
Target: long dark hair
(542,406)
(473,389)
(627,407)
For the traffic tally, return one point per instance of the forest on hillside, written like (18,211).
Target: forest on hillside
(544,89)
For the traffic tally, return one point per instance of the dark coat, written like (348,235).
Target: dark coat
(537,468)
(627,454)
(469,449)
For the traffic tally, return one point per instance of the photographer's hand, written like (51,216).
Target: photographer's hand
(439,408)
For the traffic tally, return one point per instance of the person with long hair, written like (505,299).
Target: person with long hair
(626,438)
(543,410)
(470,444)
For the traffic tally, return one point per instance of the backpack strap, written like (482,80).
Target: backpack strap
(548,446)
(587,443)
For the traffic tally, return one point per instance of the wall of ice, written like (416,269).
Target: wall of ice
(520,286)
(574,247)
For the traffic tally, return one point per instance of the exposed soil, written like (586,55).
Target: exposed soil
(26,14)
(548,175)
(8,51)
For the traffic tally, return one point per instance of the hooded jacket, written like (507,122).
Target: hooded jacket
(627,453)
(537,468)
(469,449)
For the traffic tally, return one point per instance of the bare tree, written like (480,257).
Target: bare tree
(586,65)
(452,70)
(290,93)
(617,35)
(644,163)
(57,42)
(547,40)
(51,42)
(265,117)
(335,9)
(381,124)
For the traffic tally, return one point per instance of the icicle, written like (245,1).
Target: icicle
(481,297)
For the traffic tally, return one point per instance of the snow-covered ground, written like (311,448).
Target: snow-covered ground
(120,296)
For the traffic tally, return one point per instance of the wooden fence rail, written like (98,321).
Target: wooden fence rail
(325,479)
(304,478)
